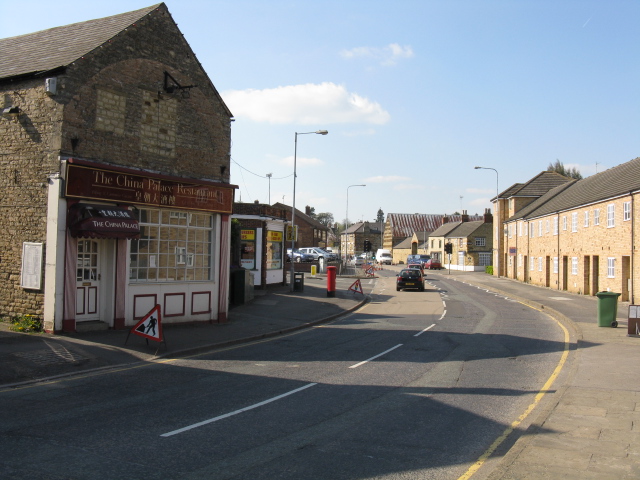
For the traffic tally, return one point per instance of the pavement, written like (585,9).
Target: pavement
(588,427)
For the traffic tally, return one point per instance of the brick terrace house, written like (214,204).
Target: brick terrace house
(311,233)
(580,236)
(115,175)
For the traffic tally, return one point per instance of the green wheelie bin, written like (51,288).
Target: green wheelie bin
(607,309)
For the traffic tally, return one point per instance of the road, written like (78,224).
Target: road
(414,385)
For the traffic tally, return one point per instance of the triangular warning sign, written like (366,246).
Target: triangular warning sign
(356,287)
(150,326)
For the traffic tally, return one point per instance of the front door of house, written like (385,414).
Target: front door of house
(88,280)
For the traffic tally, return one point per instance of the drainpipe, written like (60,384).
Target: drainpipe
(633,242)
(558,274)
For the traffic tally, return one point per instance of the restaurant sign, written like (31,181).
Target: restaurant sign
(115,186)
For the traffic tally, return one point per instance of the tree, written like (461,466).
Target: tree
(380,216)
(559,167)
(325,218)
(312,212)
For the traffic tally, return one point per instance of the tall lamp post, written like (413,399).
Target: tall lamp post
(269,175)
(499,232)
(293,207)
(346,221)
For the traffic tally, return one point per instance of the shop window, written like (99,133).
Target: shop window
(173,247)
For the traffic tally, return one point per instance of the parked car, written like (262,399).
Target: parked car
(319,253)
(433,264)
(418,258)
(419,266)
(410,278)
(299,256)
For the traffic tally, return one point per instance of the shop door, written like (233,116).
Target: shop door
(88,280)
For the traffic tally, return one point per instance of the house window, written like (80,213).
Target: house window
(540,228)
(520,260)
(539,264)
(484,259)
(480,241)
(596,216)
(173,247)
(532,263)
(555,264)
(555,225)
(574,222)
(574,265)
(532,232)
(564,223)
(611,267)
(586,219)
(626,206)
(611,216)
(546,227)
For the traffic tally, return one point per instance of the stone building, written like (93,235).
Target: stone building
(352,239)
(115,175)
(580,236)
(472,243)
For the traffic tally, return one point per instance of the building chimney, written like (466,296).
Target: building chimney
(488,217)
(445,219)
(464,217)
(307,211)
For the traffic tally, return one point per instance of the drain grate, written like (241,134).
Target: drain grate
(54,355)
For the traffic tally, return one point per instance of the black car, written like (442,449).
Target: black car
(410,278)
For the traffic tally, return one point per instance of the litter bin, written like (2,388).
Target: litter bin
(607,309)
(298,281)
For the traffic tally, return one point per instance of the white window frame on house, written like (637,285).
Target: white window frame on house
(611,267)
(564,223)
(540,228)
(574,222)
(626,211)
(611,215)
(586,219)
(546,226)
(484,259)
(596,216)
(481,241)
(574,265)
(532,263)
(555,264)
(539,264)
(555,225)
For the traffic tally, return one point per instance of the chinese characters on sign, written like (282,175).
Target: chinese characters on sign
(89,182)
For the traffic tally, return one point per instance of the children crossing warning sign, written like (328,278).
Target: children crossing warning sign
(356,287)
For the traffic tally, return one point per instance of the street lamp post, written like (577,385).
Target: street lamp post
(499,232)
(346,221)
(269,175)
(293,207)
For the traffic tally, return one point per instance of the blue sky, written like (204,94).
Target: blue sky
(414,94)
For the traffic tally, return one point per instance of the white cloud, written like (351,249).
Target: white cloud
(309,104)
(480,191)
(386,179)
(387,56)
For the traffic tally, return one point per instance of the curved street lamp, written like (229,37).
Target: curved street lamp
(293,207)
(498,233)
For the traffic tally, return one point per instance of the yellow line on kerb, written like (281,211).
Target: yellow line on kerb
(541,393)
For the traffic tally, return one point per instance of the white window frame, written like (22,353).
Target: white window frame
(480,241)
(532,263)
(546,226)
(555,225)
(484,259)
(586,219)
(596,216)
(574,265)
(611,215)
(611,267)
(564,223)
(626,209)
(574,222)
(539,228)
(555,264)
(539,264)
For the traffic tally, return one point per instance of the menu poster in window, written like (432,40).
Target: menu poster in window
(31,274)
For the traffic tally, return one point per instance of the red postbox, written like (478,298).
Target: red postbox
(331,281)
